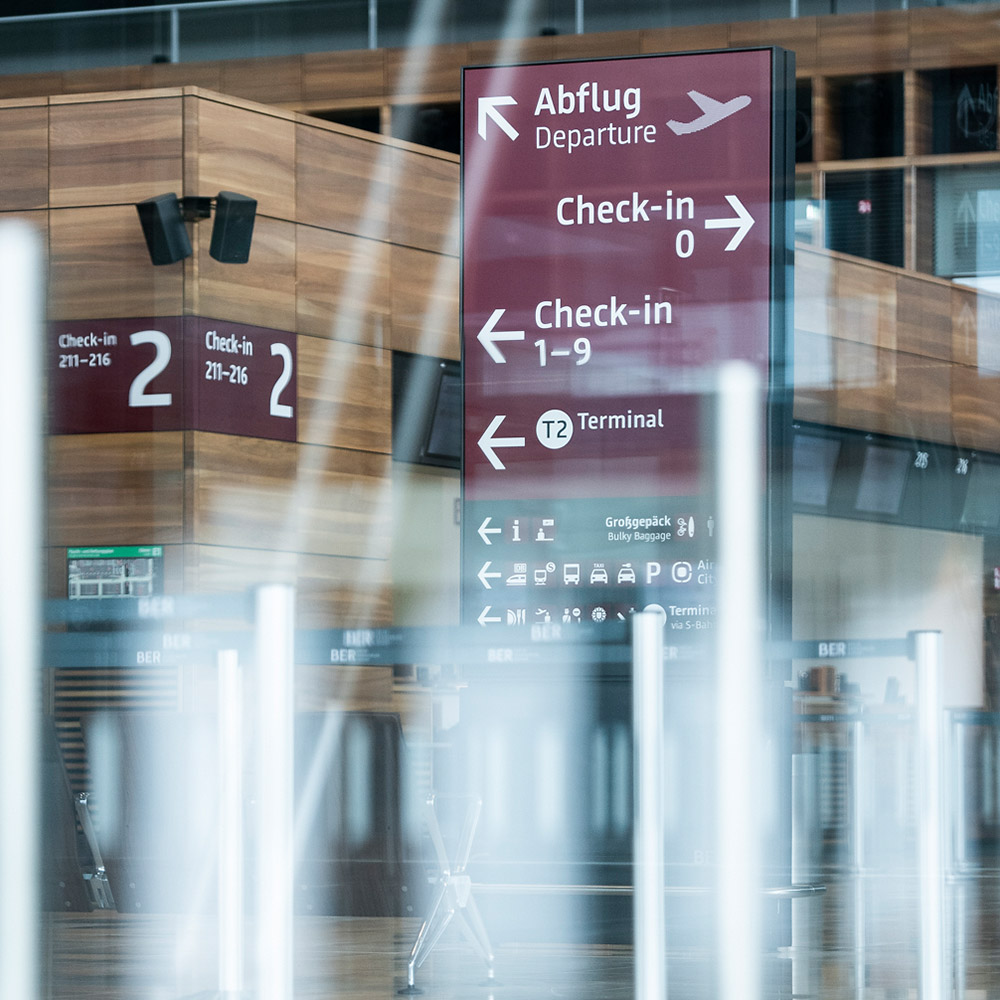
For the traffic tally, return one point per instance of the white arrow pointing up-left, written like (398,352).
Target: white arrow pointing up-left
(742,223)
(488,108)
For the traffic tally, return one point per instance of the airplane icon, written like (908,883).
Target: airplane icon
(713,111)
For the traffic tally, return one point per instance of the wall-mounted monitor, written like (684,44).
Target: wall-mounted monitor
(982,499)
(814,460)
(883,477)
(426,410)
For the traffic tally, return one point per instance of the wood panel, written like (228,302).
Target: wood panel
(248,492)
(241,492)
(415,71)
(331,591)
(801,35)
(342,286)
(99,267)
(24,153)
(115,489)
(343,593)
(923,397)
(975,408)
(344,502)
(539,49)
(187,74)
(106,78)
(923,317)
(260,292)
(597,46)
(865,387)
(345,395)
(245,150)
(338,75)
(863,43)
(342,182)
(865,304)
(814,394)
(815,277)
(687,38)
(105,152)
(424,201)
(424,297)
(955,36)
(30,85)
(331,687)
(274,81)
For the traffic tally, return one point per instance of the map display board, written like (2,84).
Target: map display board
(623,233)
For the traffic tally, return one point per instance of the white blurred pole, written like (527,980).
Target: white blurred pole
(648,850)
(20,603)
(230,833)
(930,819)
(740,781)
(275,676)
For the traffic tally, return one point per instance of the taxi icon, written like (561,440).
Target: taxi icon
(598,574)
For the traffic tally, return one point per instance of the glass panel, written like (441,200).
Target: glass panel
(864,214)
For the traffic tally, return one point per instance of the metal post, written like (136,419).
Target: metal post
(578,27)
(930,816)
(175,34)
(230,832)
(275,679)
(739,678)
(857,796)
(648,851)
(20,604)
(373,24)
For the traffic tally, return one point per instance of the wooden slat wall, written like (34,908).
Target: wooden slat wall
(350,228)
(883,349)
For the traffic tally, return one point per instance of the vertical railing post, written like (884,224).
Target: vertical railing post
(20,604)
(648,849)
(175,35)
(930,814)
(275,690)
(739,679)
(373,24)
(230,826)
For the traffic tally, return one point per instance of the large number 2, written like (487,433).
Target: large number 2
(281,409)
(137,395)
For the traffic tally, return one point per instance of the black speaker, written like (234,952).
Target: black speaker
(164,230)
(233,227)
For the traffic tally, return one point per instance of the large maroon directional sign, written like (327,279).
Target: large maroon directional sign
(619,241)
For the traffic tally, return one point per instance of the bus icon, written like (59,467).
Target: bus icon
(571,574)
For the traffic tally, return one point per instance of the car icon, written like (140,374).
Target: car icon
(598,574)
(626,574)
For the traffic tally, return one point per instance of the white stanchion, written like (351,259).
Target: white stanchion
(930,816)
(275,682)
(21,279)
(739,679)
(648,847)
(230,823)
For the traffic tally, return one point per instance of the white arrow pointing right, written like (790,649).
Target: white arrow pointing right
(488,442)
(489,336)
(488,109)
(743,222)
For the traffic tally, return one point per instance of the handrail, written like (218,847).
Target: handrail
(157,9)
